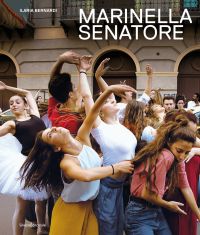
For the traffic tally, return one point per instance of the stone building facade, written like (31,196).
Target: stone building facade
(28,57)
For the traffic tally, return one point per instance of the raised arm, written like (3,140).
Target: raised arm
(69,57)
(84,89)
(145,97)
(29,97)
(101,70)
(88,123)
(149,72)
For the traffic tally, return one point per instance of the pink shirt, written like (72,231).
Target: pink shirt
(163,165)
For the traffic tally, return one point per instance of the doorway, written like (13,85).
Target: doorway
(121,69)
(188,81)
(8,76)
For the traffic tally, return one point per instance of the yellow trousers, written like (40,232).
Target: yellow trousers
(73,219)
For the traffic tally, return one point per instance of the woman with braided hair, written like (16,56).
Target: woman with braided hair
(159,166)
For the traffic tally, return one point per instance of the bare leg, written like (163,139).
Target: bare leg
(18,221)
(40,210)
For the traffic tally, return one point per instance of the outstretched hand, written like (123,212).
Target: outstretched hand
(2,85)
(85,63)
(174,206)
(101,70)
(149,70)
(70,57)
(121,89)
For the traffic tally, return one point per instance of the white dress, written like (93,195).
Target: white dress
(11,160)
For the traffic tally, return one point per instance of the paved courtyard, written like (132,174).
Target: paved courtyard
(7,205)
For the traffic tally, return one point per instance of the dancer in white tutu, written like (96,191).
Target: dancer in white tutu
(11,160)
(16,141)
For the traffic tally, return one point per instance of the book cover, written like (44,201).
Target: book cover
(132,33)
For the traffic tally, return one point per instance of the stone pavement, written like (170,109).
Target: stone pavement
(7,205)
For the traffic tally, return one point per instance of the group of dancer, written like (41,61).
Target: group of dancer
(147,151)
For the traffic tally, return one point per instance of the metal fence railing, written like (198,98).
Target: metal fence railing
(70,8)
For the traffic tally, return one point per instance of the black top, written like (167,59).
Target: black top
(26,131)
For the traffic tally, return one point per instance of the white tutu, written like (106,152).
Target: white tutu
(11,160)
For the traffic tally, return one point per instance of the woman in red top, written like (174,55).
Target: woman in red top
(65,105)
(178,223)
(160,166)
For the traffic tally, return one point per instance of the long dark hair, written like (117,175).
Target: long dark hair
(166,134)
(60,86)
(42,166)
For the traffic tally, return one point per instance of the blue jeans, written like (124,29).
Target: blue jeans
(143,220)
(108,207)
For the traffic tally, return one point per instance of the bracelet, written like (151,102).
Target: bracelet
(113,170)
(83,72)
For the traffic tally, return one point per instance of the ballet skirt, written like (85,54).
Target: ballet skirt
(11,160)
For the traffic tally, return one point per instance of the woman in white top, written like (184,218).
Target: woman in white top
(56,149)
(117,143)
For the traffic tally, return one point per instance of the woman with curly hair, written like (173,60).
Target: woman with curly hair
(159,166)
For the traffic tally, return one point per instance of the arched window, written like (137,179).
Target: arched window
(7,75)
(189,74)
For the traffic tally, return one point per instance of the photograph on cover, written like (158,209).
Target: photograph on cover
(99,117)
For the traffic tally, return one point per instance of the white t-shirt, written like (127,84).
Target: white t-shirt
(191,104)
(117,143)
